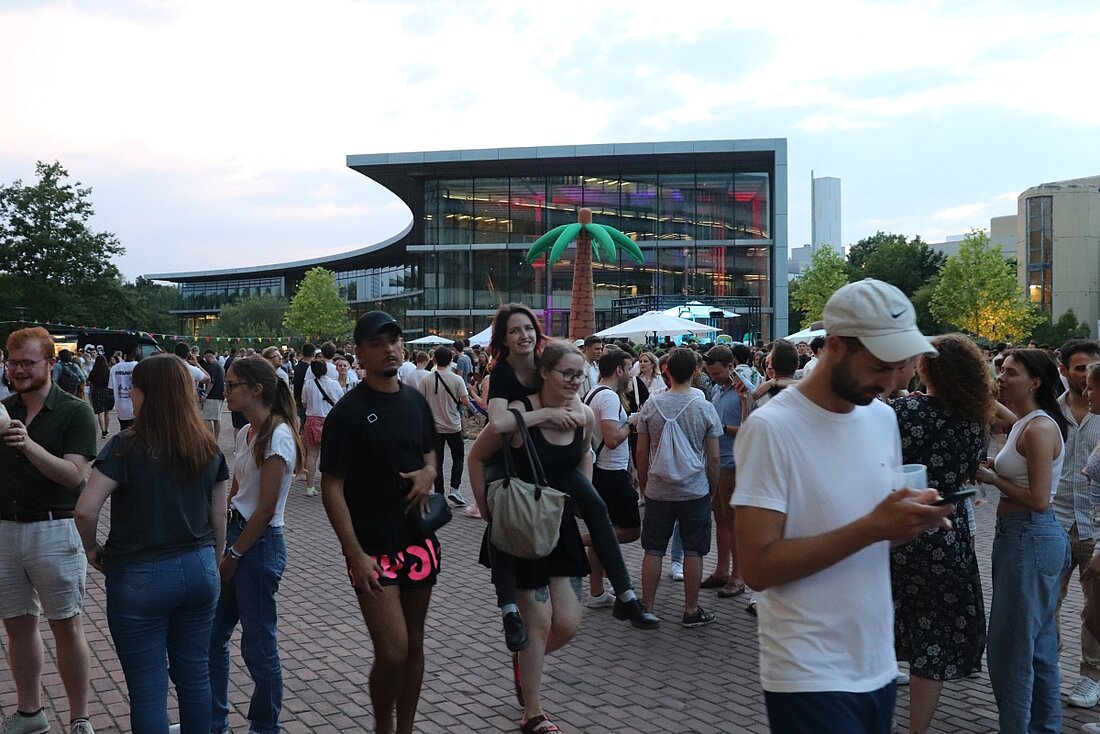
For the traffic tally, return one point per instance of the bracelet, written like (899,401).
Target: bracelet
(232,553)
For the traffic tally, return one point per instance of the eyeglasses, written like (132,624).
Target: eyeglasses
(231,385)
(569,375)
(23,364)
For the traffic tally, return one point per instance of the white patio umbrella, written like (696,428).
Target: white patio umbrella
(655,323)
(697,310)
(431,339)
(805,335)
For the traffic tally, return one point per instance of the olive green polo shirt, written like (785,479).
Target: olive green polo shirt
(65,425)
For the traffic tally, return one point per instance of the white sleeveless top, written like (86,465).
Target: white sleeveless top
(1013,467)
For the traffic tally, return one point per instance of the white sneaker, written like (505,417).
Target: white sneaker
(174,729)
(1085,693)
(606,599)
(1091,728)
(82,726)
(311,492)
(676,572)
(19,724)
(456,498)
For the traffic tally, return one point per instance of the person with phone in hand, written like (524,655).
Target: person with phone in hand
(815,544)
(939,612)
(378,468)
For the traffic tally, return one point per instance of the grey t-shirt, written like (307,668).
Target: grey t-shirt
(698,420)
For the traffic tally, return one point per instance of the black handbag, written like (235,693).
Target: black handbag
(437,515)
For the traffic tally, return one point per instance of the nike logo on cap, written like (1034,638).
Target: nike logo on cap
(899,313)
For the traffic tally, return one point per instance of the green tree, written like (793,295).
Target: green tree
(922,301)
(253,316)
(53,266)
(317,309)
(820,280)
(1061,331)
(154,304)
(907,264)
(978,293)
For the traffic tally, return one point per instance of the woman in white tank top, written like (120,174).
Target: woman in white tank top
(1030,549)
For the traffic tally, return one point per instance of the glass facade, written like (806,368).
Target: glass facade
(212,295)
(701,233)
(1040,259)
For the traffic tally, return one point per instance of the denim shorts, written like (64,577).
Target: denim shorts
(832,712)
(661,516)
(42,569)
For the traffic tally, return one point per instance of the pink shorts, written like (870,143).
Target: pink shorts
(315,425)
(417,565)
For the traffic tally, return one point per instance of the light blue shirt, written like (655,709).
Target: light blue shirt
(1074,501)
(728,404)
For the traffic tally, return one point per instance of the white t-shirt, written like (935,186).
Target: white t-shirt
(445,413)
(404,373)
(247,474)
(607,407)
(833,630)
(330,370)
(121,382)
(198,374)
(315,403)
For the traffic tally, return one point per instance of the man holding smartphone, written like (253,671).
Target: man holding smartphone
(813,541)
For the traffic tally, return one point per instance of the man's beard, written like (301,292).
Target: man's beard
(391,372)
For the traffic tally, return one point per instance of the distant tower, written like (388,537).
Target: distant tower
(825,202)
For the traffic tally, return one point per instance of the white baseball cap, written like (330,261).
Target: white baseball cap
(880,316)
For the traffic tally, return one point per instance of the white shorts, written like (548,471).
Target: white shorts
(42,568)
(212,410)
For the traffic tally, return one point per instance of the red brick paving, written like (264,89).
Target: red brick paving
(611,678)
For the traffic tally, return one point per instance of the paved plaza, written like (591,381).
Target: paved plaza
(611,678)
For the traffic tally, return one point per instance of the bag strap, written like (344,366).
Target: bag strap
(323,393)
(532,455)
(588,401)
(440,381)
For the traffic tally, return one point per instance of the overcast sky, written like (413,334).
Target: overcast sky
(214,134)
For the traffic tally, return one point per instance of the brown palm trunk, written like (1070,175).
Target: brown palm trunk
(582,315)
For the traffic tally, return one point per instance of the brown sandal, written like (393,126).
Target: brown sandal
(713,582)
(540,724)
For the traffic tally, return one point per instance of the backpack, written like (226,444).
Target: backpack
(70,379)
(676,460)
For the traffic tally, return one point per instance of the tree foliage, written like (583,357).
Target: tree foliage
(1061,331)
(153,304)
(825,274)
(907,264)
(253,316)
(978,293)
(317,309)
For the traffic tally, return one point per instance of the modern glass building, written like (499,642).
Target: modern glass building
(710,218)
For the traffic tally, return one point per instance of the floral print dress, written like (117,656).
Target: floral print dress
(939,613)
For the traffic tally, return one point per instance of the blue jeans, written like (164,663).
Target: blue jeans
(162,606)
(249,598)
(832,712)
(1030,554)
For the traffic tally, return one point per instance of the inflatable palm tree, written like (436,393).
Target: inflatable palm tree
(604,242)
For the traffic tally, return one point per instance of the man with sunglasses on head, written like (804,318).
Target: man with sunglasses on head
(44,455)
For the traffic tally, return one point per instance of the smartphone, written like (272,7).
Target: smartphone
(957,496)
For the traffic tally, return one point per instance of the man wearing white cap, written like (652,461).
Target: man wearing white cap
(815,512)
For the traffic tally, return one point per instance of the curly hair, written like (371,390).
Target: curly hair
(960,377)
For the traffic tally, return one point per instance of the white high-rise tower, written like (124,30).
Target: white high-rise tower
(825,202)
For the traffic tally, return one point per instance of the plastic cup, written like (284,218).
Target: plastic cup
(912,476)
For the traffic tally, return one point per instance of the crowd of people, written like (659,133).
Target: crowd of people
(797,459)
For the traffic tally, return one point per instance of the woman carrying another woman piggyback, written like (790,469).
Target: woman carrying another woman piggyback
(1030,549)
(167,482)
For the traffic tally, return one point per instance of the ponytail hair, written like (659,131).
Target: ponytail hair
(278,398)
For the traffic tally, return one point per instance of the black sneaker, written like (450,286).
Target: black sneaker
(698,619)
(515,632)
(636,612)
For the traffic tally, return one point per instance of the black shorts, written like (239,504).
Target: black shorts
(662,515)
(417,565)
(617,490)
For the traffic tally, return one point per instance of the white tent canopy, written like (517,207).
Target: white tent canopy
(655,323)
(697,310)
(805,335)
(482,338)
(431,339)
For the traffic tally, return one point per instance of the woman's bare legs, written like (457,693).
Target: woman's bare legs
(553,615)
(924,697)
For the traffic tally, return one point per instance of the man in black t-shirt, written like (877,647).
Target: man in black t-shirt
(377,470)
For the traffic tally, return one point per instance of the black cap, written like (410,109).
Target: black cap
(370,325)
